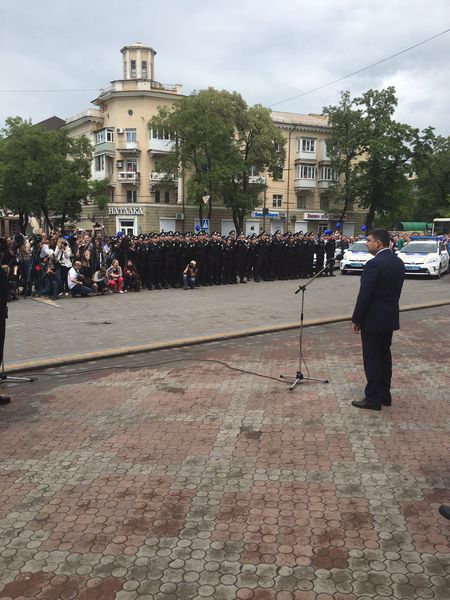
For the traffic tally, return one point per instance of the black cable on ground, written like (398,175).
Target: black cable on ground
(158,364)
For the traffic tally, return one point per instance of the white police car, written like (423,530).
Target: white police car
(425,256)
(355,257)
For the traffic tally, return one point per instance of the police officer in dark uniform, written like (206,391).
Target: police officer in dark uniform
(276,256)
(154,262)
(170,275)
(330,250)
(241,251)
(202,259)
(310,248)
(4,288)
(319,251)
(214,253)
(233,238)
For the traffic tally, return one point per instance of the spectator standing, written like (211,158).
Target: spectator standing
(63,255)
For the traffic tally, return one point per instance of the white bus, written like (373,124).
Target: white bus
(441,226)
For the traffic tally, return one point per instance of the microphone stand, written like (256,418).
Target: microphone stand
(5,377)
(299,377)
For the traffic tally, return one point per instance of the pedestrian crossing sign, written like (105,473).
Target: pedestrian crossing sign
(205,224)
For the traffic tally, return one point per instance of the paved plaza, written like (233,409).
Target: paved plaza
(41,328)
(170,476)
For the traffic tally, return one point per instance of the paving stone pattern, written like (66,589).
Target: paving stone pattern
(189,480)
(42,328)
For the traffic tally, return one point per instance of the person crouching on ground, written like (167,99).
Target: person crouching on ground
(75,281)
(189,275)
(100,282)
(131,278)
(115,277)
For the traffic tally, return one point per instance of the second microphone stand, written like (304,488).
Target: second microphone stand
(299,376)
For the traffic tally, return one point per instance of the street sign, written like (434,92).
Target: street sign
(271,215)
(205,224)
(205,199)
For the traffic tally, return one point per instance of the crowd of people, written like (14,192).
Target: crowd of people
(84,264)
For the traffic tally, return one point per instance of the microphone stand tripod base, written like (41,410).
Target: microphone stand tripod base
(299,377)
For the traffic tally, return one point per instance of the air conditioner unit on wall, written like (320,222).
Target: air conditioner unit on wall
(120,130)
(179,216)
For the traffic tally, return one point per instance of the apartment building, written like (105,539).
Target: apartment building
(142,198)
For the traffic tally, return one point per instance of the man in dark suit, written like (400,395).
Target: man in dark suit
(376,316)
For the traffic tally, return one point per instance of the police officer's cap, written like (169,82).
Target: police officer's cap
(232,232)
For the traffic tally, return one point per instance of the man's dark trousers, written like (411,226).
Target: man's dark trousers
(377,366)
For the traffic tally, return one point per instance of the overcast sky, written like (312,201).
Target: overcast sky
(265,49)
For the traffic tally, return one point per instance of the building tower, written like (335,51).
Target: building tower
(138,62)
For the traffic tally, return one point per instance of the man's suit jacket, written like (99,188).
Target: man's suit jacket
(377,308)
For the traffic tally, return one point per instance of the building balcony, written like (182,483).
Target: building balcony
(302,155)
(129,177)
(159,146)
(101,175)
(324,184)
(129,148)
(156,177)
(107,148)
(305,184)
(257,179)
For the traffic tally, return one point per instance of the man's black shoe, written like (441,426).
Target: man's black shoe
(5,399)
(445,511)
(365,404)
(386,402)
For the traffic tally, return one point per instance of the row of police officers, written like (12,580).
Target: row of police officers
(161,258)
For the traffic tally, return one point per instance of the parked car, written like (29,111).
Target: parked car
(355,257)
(425,256)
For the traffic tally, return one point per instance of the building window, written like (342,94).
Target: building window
(160,134)
(157,196)
(277,200)
(327,174)
(131,165)
(324,202)
(166,197)
(133,69)
(307,144)
(130,135)
(301,201)
(131,196)
(306,172)
(100,162)
(144,69)
(278,173)
(104,135)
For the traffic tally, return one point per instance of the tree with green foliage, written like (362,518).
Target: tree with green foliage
(260,148)
(344,146)
(388,148)
(372,154)
(432,182)
(42,172)
(220,141)
(203,126)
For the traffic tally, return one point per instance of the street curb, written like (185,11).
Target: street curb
(45,363)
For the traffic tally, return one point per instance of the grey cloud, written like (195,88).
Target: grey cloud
(267,51)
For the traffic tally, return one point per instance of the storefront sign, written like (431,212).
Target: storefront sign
(126,210)
(316,216)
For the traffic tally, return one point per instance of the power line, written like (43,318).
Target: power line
(48,91)
(379,62)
